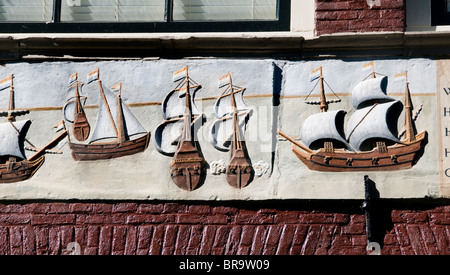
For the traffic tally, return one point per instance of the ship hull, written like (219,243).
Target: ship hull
(19,171)
(239,171)
(396,157)
(87,152)
(188,169)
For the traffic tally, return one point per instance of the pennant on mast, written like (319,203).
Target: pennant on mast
(92,76)
(315,74)
(6,83)
(117,87)
(180,74)
(72,79)
(224,80)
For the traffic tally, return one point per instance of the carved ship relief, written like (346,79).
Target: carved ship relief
(370,142)
(115,123)
(227,132)
(175,136)
(14,165)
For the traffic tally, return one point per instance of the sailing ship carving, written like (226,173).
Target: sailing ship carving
(372,142)
(176,135)
(117,131)
(227,133)
(14,165)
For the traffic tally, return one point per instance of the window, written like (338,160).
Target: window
(144,15)
(113,11)
(440,12)
(26,10)
(220,10)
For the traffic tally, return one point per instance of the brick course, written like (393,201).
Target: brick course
(358,16)
(202,229)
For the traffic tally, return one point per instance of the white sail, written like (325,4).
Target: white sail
(374,122)
(223,106)
(324,126)
(174,105)
(222,130)
(372,89)
(104,127)
(11,136)
(168,134)
(69,108)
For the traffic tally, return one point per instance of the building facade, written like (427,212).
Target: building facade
(277,127)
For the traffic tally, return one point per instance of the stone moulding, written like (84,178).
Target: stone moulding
(66,46)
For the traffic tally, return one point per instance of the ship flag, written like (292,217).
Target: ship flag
(72,79)
(369,66)
(315,74)
(224,80)
(92,76)
(401,76)
(117,87)
(180,74)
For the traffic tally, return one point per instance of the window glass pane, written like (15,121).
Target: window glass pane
(112,10)
(26,10)
(224,10)
(448,5)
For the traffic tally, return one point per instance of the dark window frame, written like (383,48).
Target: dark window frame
(439,14)
(282,23)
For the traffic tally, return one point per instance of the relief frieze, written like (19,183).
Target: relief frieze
(226,129)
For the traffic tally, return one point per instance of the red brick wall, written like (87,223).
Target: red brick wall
(357,16)
(186,229)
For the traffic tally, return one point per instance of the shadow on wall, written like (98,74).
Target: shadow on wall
(277,87)
(378,215)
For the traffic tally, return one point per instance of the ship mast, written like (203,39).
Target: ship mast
(323,100)
(237,132)
(11,101)
(187,111)
(410,135)
(11,112)
(121,128)
(372,64)
(106,104)
(77,97)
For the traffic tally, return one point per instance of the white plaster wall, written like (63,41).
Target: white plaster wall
(343,75)
(45,84)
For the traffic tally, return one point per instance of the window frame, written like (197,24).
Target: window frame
(282,23)
(439,14)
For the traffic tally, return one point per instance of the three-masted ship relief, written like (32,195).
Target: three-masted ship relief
(227,132)
(371,141)
(14,165)
(117,131)
(176,135)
